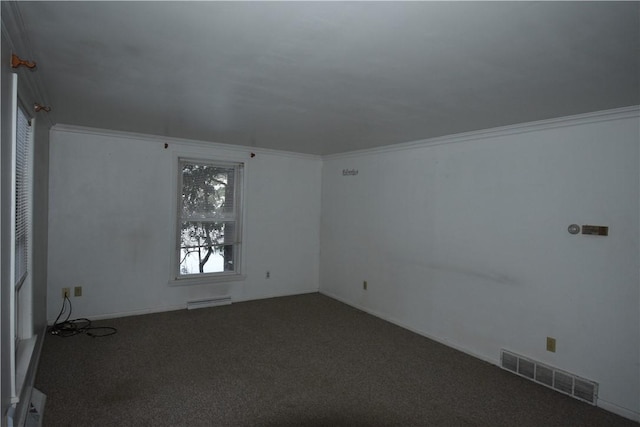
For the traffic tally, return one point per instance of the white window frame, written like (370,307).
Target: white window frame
(176,279)
(21,314)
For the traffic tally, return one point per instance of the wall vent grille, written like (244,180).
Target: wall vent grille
(551,377)
(212,302)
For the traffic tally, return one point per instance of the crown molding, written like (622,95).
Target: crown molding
(555,123)
(179,141)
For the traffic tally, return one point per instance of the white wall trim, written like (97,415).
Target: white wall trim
(559,122)
(131,313)
(396,322)
(274,295)
(611,407)
(162,309)
(619,410)
(179,141)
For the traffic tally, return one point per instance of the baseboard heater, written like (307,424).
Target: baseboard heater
(564,382)
(211,302)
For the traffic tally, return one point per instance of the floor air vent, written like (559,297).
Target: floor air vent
(212,302)
(556,379)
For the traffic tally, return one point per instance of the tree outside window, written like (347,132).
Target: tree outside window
(209,218)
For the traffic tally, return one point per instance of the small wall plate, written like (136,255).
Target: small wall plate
(595,230)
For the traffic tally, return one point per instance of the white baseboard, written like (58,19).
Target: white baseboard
(619,410)
(414,330)
(131,313)
(162,309)
(607,406)
(276,295)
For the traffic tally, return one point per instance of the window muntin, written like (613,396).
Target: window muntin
(209,219)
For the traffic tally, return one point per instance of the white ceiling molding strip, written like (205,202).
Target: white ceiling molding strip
(179,141)
(559,122)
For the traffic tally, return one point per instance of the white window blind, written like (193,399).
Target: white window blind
(22,196)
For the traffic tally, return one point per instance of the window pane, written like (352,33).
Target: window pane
(207,191)
(22,193)
(206,247)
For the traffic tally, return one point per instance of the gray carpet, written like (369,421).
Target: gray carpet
(305,360)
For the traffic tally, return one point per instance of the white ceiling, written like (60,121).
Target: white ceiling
(329,77)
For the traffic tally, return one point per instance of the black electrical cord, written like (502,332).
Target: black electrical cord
(69,328)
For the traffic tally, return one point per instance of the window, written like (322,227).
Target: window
(209,219)
(22,197)
(23,338)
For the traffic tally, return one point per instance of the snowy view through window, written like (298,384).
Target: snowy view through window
(207,212)
(190,263)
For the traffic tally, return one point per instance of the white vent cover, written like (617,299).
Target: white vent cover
(212,302)
(548,376)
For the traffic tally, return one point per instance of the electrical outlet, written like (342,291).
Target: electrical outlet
(66,292)
(77,291)
(268,275)
(364,285)
(551,344)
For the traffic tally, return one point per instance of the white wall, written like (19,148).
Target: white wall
(40,223)
(464,239)
(110,222)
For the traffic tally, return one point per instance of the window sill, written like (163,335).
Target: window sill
(207,279)
(23,360)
